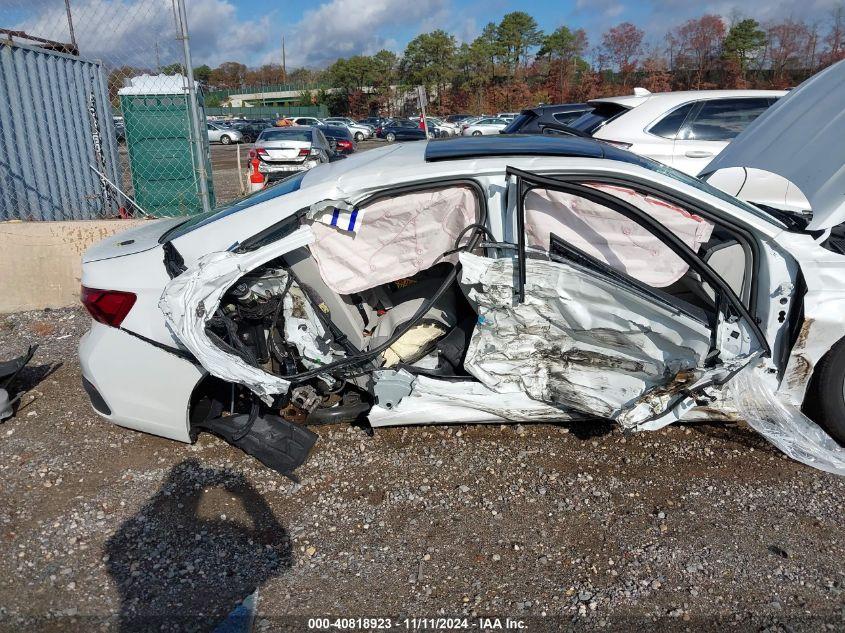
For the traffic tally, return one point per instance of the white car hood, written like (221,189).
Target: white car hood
(801,139)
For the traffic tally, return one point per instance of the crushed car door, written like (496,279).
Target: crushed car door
(606,308)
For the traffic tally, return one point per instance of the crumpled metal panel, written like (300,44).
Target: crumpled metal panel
(578,341)
(191,299)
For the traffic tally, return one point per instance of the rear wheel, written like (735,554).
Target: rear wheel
(225,139)
(825,400)
(390,137)
(476,133)
(359,136)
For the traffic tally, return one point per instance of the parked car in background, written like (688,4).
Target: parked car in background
(508,116)
(283,150)
(372,121)
(457,118)
(307,120)
(359,130)
(120,130)
(400,130)
(441,128)
(339,137)
(685,130)
(489,125)
(252,129)
(546,118)
(221,134)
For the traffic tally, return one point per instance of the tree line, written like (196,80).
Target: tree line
(513,64)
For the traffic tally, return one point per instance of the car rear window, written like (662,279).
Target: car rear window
(602,113)
(566,118)
(282,187)
(519,122)
(286,135)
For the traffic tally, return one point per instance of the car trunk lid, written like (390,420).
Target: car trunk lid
(284,151)
(800,139)
(134,240)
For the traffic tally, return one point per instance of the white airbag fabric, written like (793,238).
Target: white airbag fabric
(611,237)
(396,237)
(190,300)
(578,341)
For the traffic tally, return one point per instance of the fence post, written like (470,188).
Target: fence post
(198,126)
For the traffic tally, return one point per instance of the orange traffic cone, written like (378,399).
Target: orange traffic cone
(256,179)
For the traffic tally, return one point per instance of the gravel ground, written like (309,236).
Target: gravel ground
(702,526)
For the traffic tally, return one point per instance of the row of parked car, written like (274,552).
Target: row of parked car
(682,129)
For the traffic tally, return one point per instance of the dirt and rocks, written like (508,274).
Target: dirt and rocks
(701,526)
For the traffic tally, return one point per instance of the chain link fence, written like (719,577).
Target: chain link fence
(99,117)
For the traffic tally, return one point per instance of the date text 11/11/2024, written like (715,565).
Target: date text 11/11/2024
(417,624)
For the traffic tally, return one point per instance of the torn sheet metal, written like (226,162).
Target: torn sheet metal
(190,300)
(304,330)
(578,341)
(467,402)
(784,425)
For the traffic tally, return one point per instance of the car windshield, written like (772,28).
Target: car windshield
(285,135)
(282,188)
(603,113)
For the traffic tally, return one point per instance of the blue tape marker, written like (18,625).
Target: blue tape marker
(352,219)
(335,216)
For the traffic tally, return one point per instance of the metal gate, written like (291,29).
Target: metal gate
(55,125)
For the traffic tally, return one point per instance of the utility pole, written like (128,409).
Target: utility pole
(199,126)
(284,67)
(70,26)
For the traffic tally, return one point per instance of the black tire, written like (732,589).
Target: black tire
(476,133)
(359,136)
(825,399)
(225,140)
(247,138)
(390,137)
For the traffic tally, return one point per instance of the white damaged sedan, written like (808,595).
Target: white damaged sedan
(481,279)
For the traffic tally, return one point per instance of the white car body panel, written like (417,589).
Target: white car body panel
(688,156)
(150,394)
(800,139)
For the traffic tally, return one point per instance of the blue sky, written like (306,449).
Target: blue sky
(319,31)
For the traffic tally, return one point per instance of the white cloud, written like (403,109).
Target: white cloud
(143,32)
(340,28)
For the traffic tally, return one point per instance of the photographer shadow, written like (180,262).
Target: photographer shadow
(177,570)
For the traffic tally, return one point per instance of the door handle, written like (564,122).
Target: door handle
(698,153)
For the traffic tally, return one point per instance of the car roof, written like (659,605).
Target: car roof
(669,99)
(523,145)
(559,107)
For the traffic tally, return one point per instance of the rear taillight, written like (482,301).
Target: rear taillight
(109,307)
(344,144)
(304,151)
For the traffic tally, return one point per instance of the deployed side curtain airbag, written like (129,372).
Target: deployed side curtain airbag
(395,237)
(611,237)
